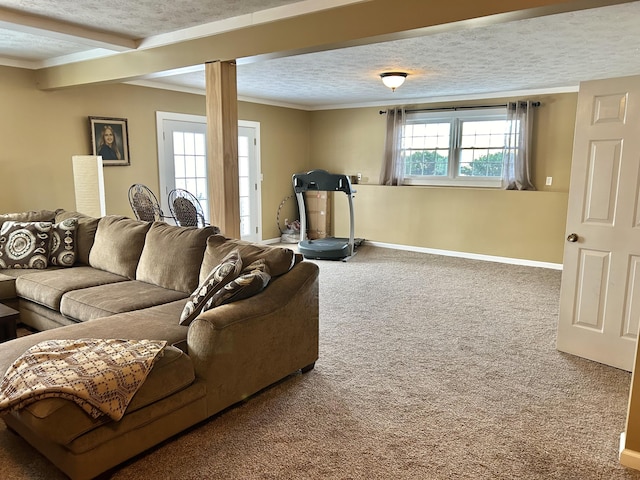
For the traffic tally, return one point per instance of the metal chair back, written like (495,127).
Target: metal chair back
(144,203)
(186,208)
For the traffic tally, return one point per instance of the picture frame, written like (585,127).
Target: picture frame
(110,140)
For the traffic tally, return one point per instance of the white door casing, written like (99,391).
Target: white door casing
(600,293)
(250,185)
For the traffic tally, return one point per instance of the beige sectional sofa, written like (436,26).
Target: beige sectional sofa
(131,280)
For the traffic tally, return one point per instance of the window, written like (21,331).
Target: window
(454,148)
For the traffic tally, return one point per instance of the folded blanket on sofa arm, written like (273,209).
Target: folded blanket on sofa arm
(100,375)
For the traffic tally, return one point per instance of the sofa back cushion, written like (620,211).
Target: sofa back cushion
(30,216)
(278,260)
(118,245)
(85,233)
(172,256)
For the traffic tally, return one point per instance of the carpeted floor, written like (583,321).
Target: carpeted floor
(430,368)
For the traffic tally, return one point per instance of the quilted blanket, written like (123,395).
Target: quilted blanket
(100,375)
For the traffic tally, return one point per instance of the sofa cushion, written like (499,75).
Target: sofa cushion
(172,256)
(62,421)
(118,245)
(63,243)
(85,235)
(25,244)
(228,269)
(278,260)
(30,216)
(105,300)
(252,280)
(46,287)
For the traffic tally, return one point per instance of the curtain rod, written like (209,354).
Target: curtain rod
(467,107)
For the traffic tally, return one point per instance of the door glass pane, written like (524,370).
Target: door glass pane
(179,166)
(244,187)
(178,143)
(243,146)
(244,206)
(245,227)
(200,147)
(190,166)
(243,166)
(189,143)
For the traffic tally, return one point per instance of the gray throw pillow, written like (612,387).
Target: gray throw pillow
(228,269)
(252,280)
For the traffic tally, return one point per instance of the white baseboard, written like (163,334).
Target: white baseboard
(452,253)
(269,241)
(473,256)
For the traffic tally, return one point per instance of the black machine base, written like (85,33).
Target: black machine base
(329,248)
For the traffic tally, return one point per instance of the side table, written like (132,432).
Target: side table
(8,320)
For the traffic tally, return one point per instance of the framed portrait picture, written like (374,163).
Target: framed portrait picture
(110,140)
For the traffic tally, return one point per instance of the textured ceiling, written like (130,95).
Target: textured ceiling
(556,51)
(140,18)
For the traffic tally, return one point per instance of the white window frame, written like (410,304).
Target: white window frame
(455,118)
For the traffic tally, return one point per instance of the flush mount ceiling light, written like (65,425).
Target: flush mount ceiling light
(393,79)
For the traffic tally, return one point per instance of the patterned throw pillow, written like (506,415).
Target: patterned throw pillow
(227,270)
(25,244)
(63,243)
(253,279)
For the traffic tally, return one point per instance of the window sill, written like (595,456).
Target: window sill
(450,182)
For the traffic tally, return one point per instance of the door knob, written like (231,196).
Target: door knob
(573,237)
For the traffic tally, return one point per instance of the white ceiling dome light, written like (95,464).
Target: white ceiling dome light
(393,79)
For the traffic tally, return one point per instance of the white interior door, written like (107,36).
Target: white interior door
(600,294)
(250,181)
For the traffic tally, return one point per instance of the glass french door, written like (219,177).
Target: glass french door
(182,163)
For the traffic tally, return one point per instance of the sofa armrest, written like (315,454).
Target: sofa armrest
(7,287)
(243,347)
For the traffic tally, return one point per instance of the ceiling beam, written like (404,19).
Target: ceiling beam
(42,26)
(346,25)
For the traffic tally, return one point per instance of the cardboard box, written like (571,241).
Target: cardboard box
(318,206)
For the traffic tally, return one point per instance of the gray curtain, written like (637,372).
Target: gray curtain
(516,172)
(392,172)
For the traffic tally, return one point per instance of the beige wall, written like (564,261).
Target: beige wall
(42,130)
(527,225)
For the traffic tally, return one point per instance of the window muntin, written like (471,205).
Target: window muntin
(452,148)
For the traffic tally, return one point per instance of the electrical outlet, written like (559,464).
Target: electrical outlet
(359,176)
(549,181)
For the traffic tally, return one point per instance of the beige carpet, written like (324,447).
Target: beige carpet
(431,368)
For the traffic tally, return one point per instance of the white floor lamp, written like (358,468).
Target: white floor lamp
(88,179)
